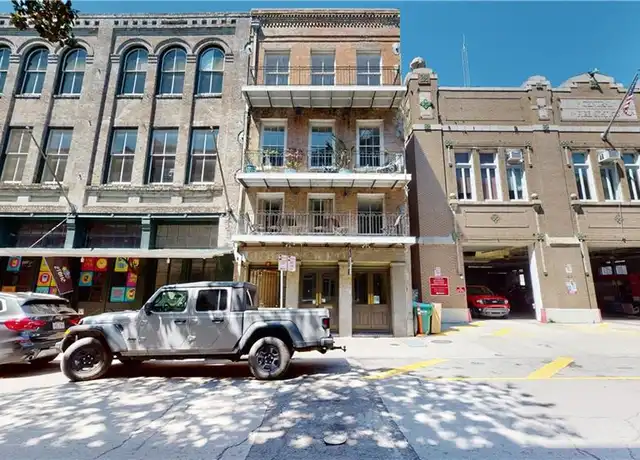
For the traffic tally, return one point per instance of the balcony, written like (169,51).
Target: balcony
(325,228)
(347,169)
(341,87)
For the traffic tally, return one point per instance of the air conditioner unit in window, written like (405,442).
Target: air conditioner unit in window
(514,157)
(608,156)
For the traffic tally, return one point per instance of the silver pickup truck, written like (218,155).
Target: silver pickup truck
(210,320)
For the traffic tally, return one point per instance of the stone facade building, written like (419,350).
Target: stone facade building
(518,191)
(323,174)
(142,129)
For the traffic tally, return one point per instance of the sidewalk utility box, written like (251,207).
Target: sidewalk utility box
(436,319)
(422,312)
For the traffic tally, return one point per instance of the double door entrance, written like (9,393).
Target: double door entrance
(319,289)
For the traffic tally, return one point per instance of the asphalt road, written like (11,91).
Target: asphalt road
(499,389)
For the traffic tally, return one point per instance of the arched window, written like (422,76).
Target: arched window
(35,69)
(4,66)
(134,72)
(210,71)
(73,72)
(172,71)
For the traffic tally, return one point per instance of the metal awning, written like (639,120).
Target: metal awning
(117,252)
(326,240)
(310,180)
(372,97)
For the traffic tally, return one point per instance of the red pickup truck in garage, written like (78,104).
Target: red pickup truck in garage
(483,302)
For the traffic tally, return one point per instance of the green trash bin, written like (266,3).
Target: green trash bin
(424,311)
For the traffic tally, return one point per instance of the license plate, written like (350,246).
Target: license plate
(57,325)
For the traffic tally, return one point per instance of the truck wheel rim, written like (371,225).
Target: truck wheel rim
(268,358)
(85,360)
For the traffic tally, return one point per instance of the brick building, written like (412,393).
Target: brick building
(517,191)
(323,173)
(140,126)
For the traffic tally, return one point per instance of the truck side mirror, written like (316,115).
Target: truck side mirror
(147,309)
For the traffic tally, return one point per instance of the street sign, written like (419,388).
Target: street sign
(283,263)
(461,290)
(437,272)
(291,265)
(439,285)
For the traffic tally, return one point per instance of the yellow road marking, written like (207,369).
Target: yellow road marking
(502,332)
(404,369)
(512,379)
(549,370)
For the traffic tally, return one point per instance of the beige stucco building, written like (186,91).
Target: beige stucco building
(324,174)
(515,187)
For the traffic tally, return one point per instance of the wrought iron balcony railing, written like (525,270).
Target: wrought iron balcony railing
(323,161)
(341,224)
(336,76)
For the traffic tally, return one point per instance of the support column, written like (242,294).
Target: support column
(402,320)
(345,300)
(292,287)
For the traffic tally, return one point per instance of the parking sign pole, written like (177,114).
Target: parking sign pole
(281,288)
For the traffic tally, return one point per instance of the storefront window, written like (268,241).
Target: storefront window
(113,235)
(370,288)
(29,233)
(19,274)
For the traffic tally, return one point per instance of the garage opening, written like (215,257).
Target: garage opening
(616,276)
(498,283)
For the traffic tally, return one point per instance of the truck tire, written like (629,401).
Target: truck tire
(269,358)
(85,359)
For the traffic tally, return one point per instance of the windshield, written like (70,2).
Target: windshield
(479,290)
(47,307)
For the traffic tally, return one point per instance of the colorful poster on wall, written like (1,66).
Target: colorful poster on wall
(61,274)
(44,279)
(86,279)
(130,295)
(43,265)
(134,264)
(8,289)
(53,290)
(42,289)
(132,279)
(117,294)
(88,264)
(14,263)
(121,265)
(101,264)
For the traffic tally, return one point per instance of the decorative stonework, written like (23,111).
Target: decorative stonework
(426,105)
(327,18)
(495,218)
(619,219)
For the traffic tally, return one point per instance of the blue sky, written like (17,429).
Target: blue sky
(507,41)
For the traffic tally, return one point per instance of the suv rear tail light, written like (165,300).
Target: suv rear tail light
(24,324)
(326,323)
(74,321)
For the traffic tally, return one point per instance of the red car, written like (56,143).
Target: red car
(483,302)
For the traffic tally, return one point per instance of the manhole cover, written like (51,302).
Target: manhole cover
(335,439)
(441,341)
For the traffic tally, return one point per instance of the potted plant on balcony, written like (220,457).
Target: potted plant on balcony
(294,159)
(272,158)
(343,155)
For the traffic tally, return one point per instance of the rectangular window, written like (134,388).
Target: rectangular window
(15,155)
(632,169)
(370,218)
(323,68)
(113,235)
(164,146)
(516,181)
(320,210)
(582,174)
(270,214)
(489,176)
(321,147)
(212,300)
(272,145)
(610,182)
(203,155)
(121,154)
(464,175)
(370,146)
(368,68)
(57,154)
(32,233)
(276,69)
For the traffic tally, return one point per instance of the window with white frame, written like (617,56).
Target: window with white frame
(320,208)
(370,145)
(323,71)
(172,68)
(15,155)
(121,155)
(489,176)
(57,154)
(321,146)
(162,162)
(134,71)
(203,155)
(4,66)
(368,68)
(210,71)
(72,73)
(269,214)
(370,214)
(610,182)
(276,68)
(516,182)
(464,175)
(632,170)
(582,173)
(273,144)
(34,71)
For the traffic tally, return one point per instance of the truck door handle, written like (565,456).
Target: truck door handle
(218,320)
(180,321)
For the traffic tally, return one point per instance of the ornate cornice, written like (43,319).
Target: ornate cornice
(327,18)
